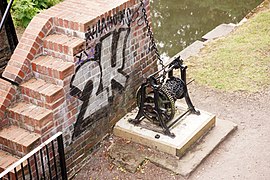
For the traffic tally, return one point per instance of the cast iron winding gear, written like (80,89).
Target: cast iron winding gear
(156,99)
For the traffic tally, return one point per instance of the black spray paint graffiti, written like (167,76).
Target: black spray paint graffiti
(124,17)
(95,77)
(100,69)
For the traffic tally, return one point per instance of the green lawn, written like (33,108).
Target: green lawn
(238,62)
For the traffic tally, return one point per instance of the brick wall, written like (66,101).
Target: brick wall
(7,91)
(80,64)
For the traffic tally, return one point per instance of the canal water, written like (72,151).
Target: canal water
(178,23)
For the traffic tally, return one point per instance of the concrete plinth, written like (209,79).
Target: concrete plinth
(187,131)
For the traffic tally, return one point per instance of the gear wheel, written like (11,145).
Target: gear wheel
(165,102)
(175,87)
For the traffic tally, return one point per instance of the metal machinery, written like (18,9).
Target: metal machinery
(156,97)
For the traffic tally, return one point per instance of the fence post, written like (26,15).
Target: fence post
(61,152)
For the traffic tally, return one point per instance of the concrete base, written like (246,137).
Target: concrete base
(187,131)
(192,159)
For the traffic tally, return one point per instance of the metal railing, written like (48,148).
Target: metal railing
(8,23)
(44,162)
(11,35)
(4,18)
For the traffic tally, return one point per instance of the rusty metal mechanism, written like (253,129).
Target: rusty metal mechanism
(156,98)
(156,101)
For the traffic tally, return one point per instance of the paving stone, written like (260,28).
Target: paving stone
(126,156)
(219,31)
(188,163)
(192,50)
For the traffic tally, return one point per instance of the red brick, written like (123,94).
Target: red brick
(27,41)
(9,96)
(20,139)
(12,73)
(68,45)
(2,115)
(65,23)
(19,61)
(25,47)
(55,47)
(2,106)
(71,25)
(31,87)
(30,114)
(66,71)
(4,83)
(41,34)
(22,55)
(21,74)
(61,22)
(55,104)
(53,67)
(40,90)
(46,128)
(44,15)
(47,27)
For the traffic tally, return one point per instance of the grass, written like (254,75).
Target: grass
(238,62)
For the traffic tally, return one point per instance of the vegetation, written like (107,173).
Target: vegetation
(24,10)
(238,62)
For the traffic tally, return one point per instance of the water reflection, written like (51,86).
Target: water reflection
(178,23)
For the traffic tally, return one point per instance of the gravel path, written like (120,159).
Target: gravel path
(245,155)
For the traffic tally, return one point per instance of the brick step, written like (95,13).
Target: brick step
(18,141)
(63,46)
(41,93)
(30,117)
(6,160)
(79,21)
(50,68)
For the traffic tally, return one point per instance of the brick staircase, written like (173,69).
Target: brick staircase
(31,119)
(38,104)
(6,160)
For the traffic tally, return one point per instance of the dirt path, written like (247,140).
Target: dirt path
(244,155)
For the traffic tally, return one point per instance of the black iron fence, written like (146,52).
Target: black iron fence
(47,161)
(8,36)
(8,23)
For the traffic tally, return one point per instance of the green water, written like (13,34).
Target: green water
(178,23)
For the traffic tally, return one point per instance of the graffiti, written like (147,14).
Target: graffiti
(124,17)
(99,72)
